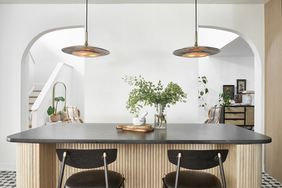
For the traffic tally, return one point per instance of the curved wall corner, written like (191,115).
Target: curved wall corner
(259,77)
(27,74)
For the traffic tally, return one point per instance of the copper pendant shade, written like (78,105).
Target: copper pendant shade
(196,51)
(86,50)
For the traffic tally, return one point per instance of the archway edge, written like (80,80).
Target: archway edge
(259,77)
(39,35)
(24,116)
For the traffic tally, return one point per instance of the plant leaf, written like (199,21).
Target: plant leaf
(50,110)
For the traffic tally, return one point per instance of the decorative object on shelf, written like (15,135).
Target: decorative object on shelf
(63,115)
(144,128)
(203,91)
(224,99)
(241,85)
(228,90)
(140,120)
(196,51)
(248,95)
(238,98)
(86,50)
(53,112)
(146,93)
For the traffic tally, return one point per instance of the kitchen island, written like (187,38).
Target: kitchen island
(142,157)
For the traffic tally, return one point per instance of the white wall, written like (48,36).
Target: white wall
(21,23)
(68,37)
(236,61)
(224,71)
(46,52)
(45,61)
(63,73)
(142,45)
(27,83)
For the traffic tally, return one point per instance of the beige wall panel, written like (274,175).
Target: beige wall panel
(36,166)
(273,87)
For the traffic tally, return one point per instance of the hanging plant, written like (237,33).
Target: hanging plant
(203,91)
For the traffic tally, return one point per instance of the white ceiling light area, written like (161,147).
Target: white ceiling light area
(53,42)
(132,1)
(216,38)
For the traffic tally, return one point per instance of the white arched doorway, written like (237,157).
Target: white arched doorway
(27,70)
(258,77)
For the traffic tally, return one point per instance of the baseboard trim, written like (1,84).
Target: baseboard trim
(7,167)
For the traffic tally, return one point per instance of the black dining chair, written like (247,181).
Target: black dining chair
(87,159)
(195,160)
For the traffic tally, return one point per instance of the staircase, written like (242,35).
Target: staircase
(31,99)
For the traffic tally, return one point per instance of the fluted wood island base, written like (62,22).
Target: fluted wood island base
(142,158)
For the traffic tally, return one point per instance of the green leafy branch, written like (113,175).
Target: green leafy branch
(146,93)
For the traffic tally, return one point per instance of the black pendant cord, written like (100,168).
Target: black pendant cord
(196,23)
(86,24)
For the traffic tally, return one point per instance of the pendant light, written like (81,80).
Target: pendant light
(196,51)
(86,50)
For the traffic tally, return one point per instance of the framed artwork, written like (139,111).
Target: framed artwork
(241,85)
(229,90)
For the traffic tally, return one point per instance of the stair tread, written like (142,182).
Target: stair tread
(33,96)
(37,90)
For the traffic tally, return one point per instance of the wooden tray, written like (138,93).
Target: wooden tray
(136,128)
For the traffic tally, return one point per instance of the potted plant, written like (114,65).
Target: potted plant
(146,93)
(53,112)
(224,99)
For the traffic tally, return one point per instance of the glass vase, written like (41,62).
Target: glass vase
(160,118)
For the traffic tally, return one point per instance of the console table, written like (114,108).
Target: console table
(240,115)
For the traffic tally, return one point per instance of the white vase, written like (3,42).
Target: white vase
(249,99)
(138,121)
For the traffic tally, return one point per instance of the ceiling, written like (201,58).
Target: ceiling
(237,48)
(131,1)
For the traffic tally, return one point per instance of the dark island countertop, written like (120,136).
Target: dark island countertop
(108,134)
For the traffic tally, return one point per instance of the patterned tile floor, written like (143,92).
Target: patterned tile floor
(268,181)
(8,180)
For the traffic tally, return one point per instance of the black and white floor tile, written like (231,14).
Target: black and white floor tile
(268,181)
(8,180)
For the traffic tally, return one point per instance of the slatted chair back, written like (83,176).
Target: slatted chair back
(86,159)
(197,159)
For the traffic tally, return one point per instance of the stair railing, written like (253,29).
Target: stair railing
(38,116)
